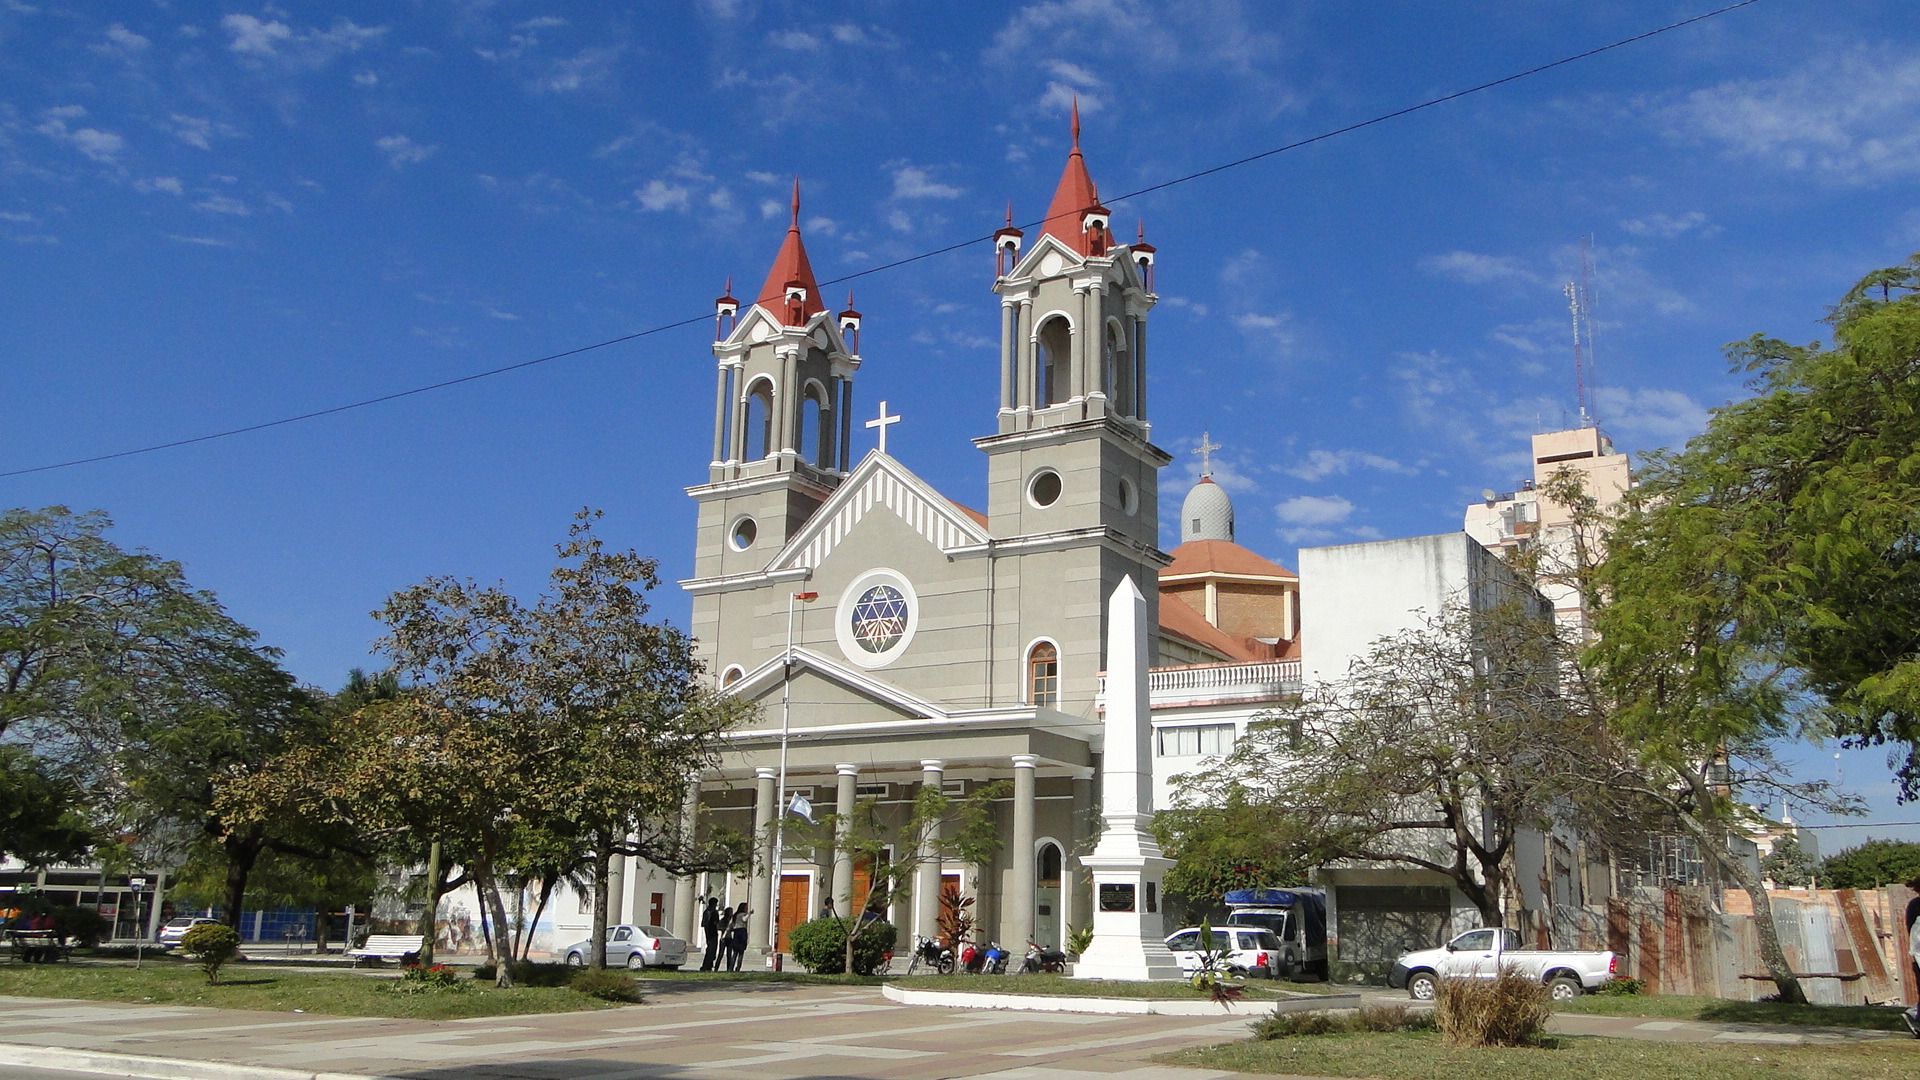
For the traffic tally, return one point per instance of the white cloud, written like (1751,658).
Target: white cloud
(660,195)
(899,221)
(1666,225)
(720,199)
(1476,269)
(1320,464)
(401,150)
(1182,302)
(1274,332)
(1851,117)
(222,204)
(763,177)
(588,67)
(261,41)
(169,184)
(912,182)
(770,208)
(203,241)
(542,23)
(16,217)
(795,40)
(254,36)
(825,226)
(101,146)
(1647,419)
(199,132)
(123,41)
(366,78)
(1314,510)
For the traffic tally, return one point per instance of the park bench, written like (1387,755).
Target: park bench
(38,946)
(388,946)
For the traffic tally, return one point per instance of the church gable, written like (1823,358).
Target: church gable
(879,485)
(832,684)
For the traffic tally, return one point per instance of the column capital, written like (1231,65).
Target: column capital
(1025,761)
(847,768)
(932,765)
(766,772)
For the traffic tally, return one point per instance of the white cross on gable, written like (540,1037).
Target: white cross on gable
(883,423)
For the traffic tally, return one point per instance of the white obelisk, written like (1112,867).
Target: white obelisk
(1128,931)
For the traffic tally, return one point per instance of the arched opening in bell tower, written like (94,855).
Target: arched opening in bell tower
(758,430)
(815,444)
(1055,359)
(1117,370)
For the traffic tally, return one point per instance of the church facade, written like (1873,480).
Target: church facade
(894,638)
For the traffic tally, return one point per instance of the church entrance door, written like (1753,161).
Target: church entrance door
(796,891)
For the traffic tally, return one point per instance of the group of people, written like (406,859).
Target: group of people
(725,930)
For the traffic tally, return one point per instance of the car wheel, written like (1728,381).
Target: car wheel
(1563,988)
(1421,986)
(574,959)
(635,962)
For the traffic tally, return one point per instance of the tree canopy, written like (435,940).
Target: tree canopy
(1872,865)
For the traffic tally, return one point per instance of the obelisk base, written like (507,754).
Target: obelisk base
(1129,932)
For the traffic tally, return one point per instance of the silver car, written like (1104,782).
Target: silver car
(176,929)
(635,946)
(1243,948)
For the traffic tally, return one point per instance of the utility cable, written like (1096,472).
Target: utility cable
(897,263)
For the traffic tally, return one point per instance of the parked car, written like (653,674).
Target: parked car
(1297,916)
(635,946)
(1482,954)
(1250,949)
(176,929)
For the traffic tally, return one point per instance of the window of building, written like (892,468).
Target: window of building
(1043,675)
(1210,740)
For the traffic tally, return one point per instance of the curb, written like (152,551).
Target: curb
(966,999)
(154,1068)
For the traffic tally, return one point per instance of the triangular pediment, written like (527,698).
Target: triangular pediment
(758,324)
(879,484)
(764,682)
(1030,264)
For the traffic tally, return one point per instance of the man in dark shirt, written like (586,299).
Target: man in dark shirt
(710,929)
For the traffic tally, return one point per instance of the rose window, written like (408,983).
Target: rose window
(879,618)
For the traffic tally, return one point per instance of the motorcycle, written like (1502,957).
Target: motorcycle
(933,955)
(996,960)
(973,959)
(1039,960)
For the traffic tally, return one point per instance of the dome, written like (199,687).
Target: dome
(1207,513)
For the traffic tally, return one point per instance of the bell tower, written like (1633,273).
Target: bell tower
(1073,449)
(781,415)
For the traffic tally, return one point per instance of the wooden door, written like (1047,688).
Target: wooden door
(795,893)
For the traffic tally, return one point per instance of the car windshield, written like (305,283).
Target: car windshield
(174,924)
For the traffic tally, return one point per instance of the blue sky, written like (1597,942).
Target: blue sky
(217,214)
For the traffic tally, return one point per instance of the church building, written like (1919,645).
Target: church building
(900,639)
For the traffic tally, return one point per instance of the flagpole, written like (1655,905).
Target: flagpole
(778,870)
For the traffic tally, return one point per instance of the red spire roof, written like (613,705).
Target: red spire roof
(791,265)
(1073,198)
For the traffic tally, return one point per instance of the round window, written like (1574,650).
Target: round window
(1044,488)
(1129,497)
(877,616)
(745,532)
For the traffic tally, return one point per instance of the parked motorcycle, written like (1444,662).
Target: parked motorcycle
(1039,960)
(973,959)
(996,960)
(932,955)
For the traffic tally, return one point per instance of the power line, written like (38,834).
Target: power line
(897,263)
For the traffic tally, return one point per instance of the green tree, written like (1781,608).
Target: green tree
(1872,865)
(1237,843)
(1788,864)
(42,816)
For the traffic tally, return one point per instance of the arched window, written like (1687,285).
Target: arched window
(1054,362)
(758,431)
(1046,867)
(812,444)
(1043,675)
(1117,366)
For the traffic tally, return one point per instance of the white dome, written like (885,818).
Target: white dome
(1207,513)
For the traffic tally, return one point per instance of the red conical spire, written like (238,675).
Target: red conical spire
(1073,198)
(791,267)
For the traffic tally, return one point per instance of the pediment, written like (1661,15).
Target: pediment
(879,484)
(758,324)
(1063,258)
(764,684)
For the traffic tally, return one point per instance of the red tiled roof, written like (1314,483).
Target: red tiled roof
(1221,557)
(1075,195)
(979,518)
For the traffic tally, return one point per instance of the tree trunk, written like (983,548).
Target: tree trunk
(539,909)
(1767,930)
(242,853)
(430,917)
(489,885)
(602,867)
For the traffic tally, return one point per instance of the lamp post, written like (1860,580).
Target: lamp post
(137,884)
(776,871)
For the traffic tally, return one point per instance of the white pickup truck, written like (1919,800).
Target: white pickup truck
(1482,954)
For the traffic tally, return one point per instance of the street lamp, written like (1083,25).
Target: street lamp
(777,871)
(139,938)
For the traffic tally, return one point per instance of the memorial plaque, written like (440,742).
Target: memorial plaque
(1116,897)
(1152,900)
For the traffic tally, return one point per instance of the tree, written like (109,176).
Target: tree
(524,727)
(1873,865)
(1237,843)
(42,818)
(1435,750)
(1788,864)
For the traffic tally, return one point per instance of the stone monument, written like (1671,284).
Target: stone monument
(1128,931)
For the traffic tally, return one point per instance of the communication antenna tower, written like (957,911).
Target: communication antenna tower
(1580,306)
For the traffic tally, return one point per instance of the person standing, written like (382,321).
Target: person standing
(710,930)
(737,938)
(1912,919)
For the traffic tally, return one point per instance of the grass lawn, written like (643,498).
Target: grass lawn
(1421,1056)
(799,977)
(1056,985)
(260,986)
(1681,1007)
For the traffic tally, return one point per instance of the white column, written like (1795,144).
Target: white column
(843,898)
(720,417)
(926,882)
(1017,922)
(765,886)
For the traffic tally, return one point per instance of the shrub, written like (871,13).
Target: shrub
(821,945)
(1621,986)
(212,944)
(1079,939)
(84,926)
(528,973)
(1383,1018)
(606,985)
(439,975)
(1510,1009)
